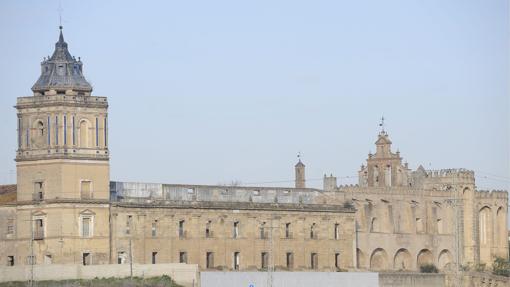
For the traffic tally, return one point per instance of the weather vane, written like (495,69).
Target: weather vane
(382,124)
(299,155)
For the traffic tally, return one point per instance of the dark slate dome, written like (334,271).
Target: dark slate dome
(62,71)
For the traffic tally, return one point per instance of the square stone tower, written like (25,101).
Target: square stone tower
(62,166)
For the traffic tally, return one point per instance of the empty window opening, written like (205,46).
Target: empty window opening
(86,258)
(154,255)
(208,232)
(121,257)
(337,231)
(337,260)
(314,260)
(182,232)
(10,260)
(288,233)
(264,260)
(237,260)
(209,260)
(236,229)
(290,260)
(313,233)
(183,257)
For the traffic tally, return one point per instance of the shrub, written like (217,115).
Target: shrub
(428,268)
(501,267)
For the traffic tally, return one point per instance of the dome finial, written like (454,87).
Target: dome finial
(61,37)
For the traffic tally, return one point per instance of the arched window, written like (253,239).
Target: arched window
(374,225)
(84,133)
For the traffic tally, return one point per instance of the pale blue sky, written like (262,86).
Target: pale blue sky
(208,92)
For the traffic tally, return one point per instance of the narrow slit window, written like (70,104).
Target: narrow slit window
(74,134)
(97,132)
(49,134)
(65,130)
(19,133)
(105,132)
(56,130)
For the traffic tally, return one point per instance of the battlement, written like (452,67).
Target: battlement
(502,194)
(451,172)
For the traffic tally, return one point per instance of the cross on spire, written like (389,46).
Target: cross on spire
(381,124)
(60,10)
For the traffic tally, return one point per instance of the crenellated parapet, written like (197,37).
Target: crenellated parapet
(491,194)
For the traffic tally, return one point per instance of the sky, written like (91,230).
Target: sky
(214,92)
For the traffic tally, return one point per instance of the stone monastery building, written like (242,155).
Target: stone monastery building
(65,210)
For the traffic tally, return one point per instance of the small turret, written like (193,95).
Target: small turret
(300,174)
(330,183)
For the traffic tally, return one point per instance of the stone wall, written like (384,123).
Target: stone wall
(184,274)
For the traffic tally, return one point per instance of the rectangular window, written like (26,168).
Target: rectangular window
(182,232)
(154,255)
(85,227)
(129,222)
(97,132)
(10,260)
(183,257)
(38,190)
(10,226)
(38,229)
(264,258)
(154,228)
(314,260)
(86,189)
(337,231)
(105,132)
(337,260)
(208,231)
(237,260)
(56,130)
(290,260)
(287,231)
(65,130)
(27,137)
(236,230)
(87,258)
(209,260)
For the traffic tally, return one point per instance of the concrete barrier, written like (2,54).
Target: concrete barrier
(289,279)
(400,279)
(183,274)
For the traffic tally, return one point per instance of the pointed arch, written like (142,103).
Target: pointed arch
(445,260)
(379,260)
(402,260)
(424,257)
(485,239)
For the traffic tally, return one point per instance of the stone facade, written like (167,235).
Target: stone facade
(67,211)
